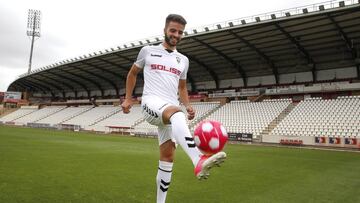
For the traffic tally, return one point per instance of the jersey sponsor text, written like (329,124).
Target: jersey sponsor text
(165,68)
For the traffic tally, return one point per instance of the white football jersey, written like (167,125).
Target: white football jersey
(162,72)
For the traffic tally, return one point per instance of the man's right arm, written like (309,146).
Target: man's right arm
(130,85)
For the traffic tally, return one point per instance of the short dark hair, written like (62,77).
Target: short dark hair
(175,18)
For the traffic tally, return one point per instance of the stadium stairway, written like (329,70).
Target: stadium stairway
(277,120)
(259,98)
(48,114)
(6,111)
(202,117)
(106,116)
(72,116)
(138,122)
(14,112)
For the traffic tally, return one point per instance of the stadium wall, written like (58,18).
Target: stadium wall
(311,140)
(95,93)
(322,75)
(39,94)
(82,94)
(139,90)
(70,94)
(58,94)
(276,139)
(109,92)
(340,73)
(205,85)
(295,77)
(301,77)
(122,91)
(231,83)
(268,80)
(263,80)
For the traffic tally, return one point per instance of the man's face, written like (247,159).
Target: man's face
(173,33)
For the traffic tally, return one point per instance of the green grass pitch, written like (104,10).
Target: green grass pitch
(39,165)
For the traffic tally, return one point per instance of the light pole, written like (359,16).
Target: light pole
(33,30)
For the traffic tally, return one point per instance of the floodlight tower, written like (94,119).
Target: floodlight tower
(33,30)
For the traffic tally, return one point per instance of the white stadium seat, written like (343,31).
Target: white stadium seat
(317,117)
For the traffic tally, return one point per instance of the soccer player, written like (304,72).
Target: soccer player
(165,72)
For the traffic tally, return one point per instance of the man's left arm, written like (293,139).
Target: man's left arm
(184,98)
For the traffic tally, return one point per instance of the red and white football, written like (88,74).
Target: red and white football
(210,137)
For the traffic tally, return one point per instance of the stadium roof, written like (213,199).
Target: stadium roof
(310,38)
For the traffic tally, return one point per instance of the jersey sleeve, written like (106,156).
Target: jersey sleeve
(184,73)
(140,60)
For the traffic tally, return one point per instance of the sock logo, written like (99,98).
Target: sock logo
(164,186)
(190,142)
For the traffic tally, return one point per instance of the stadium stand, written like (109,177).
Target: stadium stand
(119,120)
(92,116)
(38,115)
(23,111)
(249,117)
(144,128)
(202,109)
(317,117)
(64,115)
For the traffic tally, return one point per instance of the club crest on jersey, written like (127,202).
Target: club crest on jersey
(178,59)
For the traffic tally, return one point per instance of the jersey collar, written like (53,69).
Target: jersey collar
(162,46)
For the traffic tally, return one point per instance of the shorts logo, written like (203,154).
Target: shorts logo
(149,111)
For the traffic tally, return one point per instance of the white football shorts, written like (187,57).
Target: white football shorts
(152,109)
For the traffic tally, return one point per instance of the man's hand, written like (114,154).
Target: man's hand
(191,112)
(126,105)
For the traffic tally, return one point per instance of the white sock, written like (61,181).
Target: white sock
(163,179)
(183,136)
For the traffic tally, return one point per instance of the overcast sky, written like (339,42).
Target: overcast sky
(70,28)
